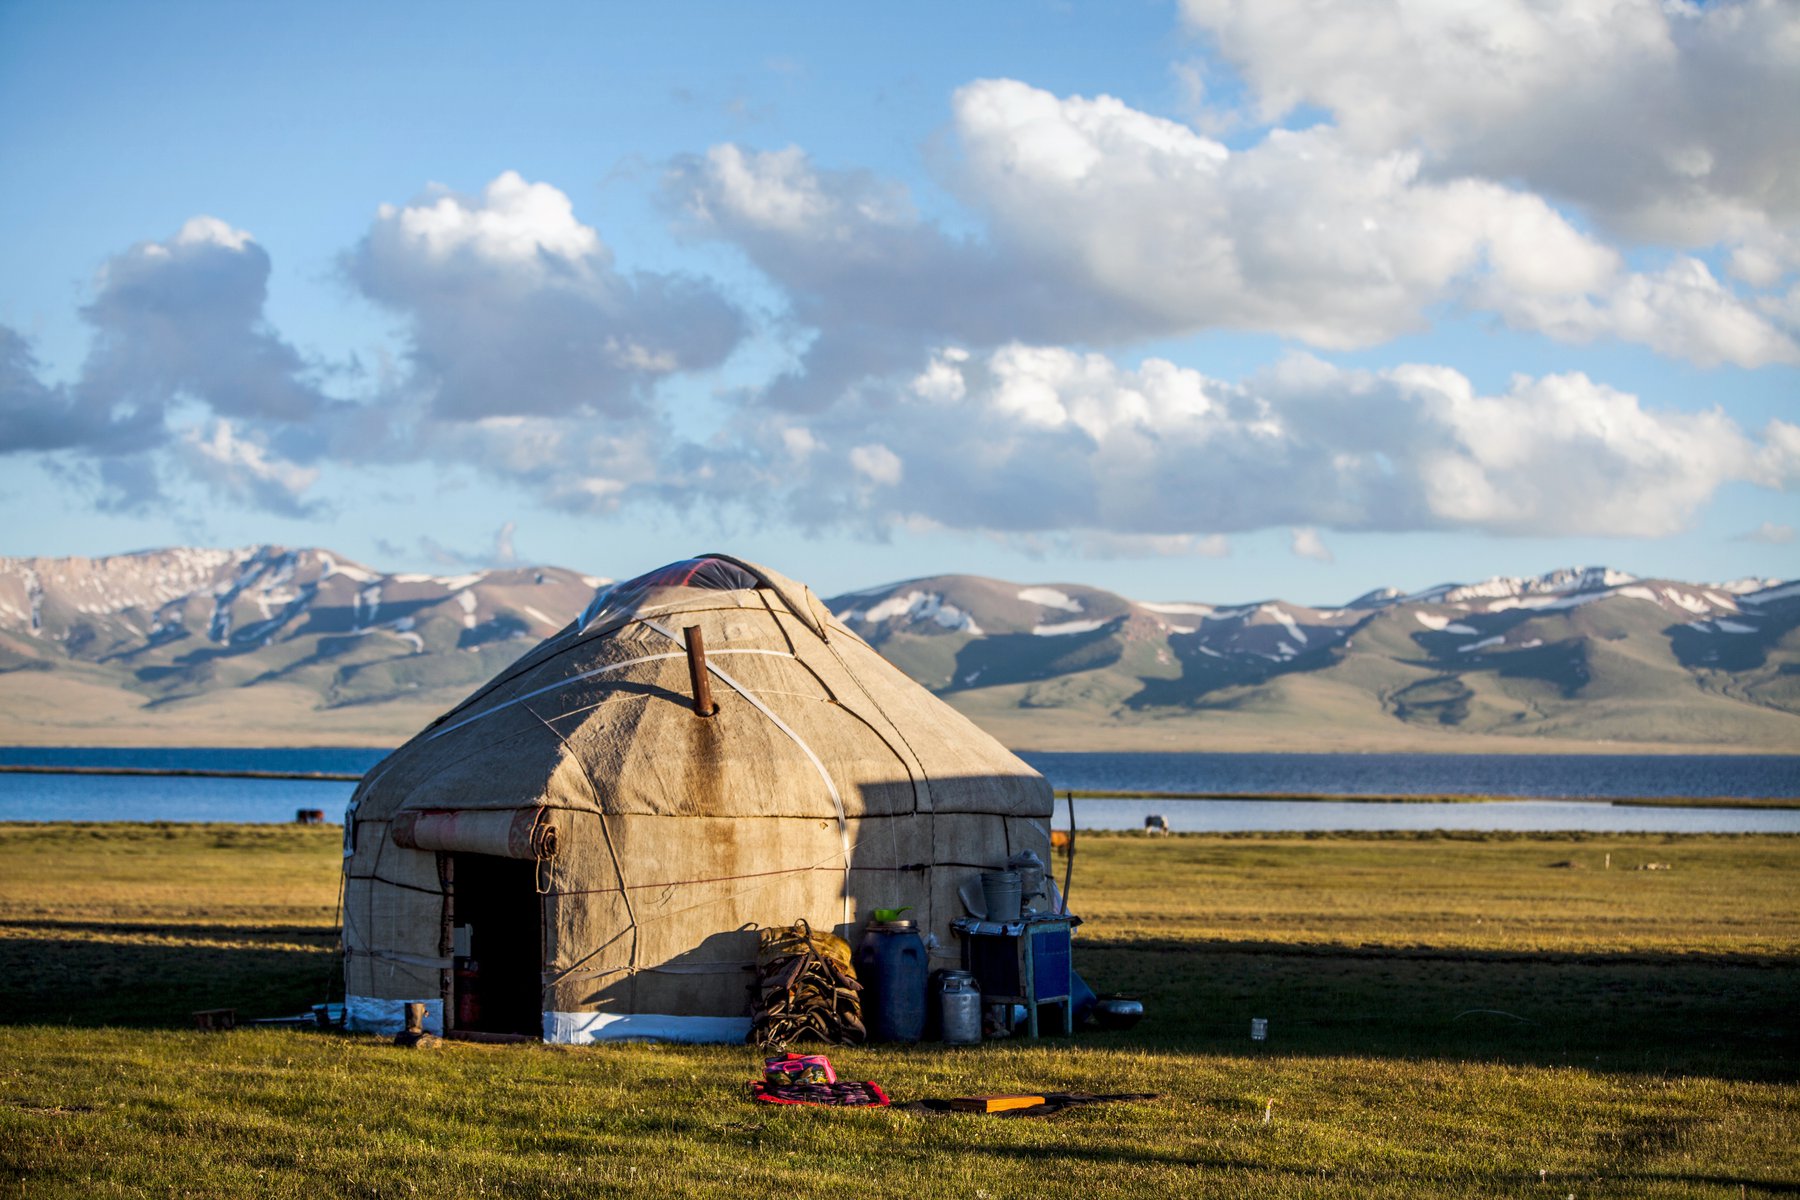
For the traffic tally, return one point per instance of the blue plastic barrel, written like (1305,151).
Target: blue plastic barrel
(890,963)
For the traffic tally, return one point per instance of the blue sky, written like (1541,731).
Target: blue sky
(1216,300)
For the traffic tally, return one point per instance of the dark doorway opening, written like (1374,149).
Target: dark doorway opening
(497,915)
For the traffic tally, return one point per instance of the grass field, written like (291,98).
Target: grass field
(1450,1015)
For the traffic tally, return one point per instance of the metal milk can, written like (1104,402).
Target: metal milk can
(958,1000)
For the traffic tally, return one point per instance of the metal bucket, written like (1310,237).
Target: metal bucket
(1000,893)
(1031,878)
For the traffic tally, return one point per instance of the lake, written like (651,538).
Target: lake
(1555,792)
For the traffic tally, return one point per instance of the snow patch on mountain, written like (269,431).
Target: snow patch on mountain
(1064,628)
(1749,583)
(917,606)
(1287,622)
(1693,604)
(1177,609)
(1768,595)
(1050,598)
(1442,624)
(1565,580)
(1544,603)
(367,604)
(331,566)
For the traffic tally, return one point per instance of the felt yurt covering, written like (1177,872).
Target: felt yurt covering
(654,841)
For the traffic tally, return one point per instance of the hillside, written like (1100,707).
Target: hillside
(1584,659)
(270,646)
(260,646)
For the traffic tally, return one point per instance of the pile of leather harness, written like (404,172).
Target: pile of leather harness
(806,989)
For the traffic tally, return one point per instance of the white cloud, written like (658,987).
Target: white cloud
(504,551)
(204,230)
(1778,459)
(1682,311)
(513,306)
(1305,542)
(1670,121)
(1305,235)
(529,355)
(1051,442)
(242,469)
(1097,544)
(1769,533)
(175,323)
(183,320)
(779,190)
(515,224)
(878,464)
(1106,224)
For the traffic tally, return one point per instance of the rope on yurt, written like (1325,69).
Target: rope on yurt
(837,801)
(531,661)
(605,670)
(775,618)
(606,835)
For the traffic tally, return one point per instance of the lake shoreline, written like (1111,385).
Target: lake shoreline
(1192,791)
(1077,793)
(1783,802)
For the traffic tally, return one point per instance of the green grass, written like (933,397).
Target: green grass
(1449,1016)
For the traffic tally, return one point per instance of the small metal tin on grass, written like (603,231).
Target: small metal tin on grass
(1118,1011)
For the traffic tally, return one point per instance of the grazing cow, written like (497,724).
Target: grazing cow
(1155,823)
(1059,840)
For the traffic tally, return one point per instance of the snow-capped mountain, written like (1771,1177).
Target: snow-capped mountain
(182,621)
(1277,630)
(1584,653)
(252,596)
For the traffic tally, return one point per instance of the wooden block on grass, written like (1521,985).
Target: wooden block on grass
(995,1103)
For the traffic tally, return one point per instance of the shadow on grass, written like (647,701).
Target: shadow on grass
(1726,1017)
(182,932)
(94,973)
(1729,1017)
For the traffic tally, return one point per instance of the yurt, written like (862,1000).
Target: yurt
(584,848)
